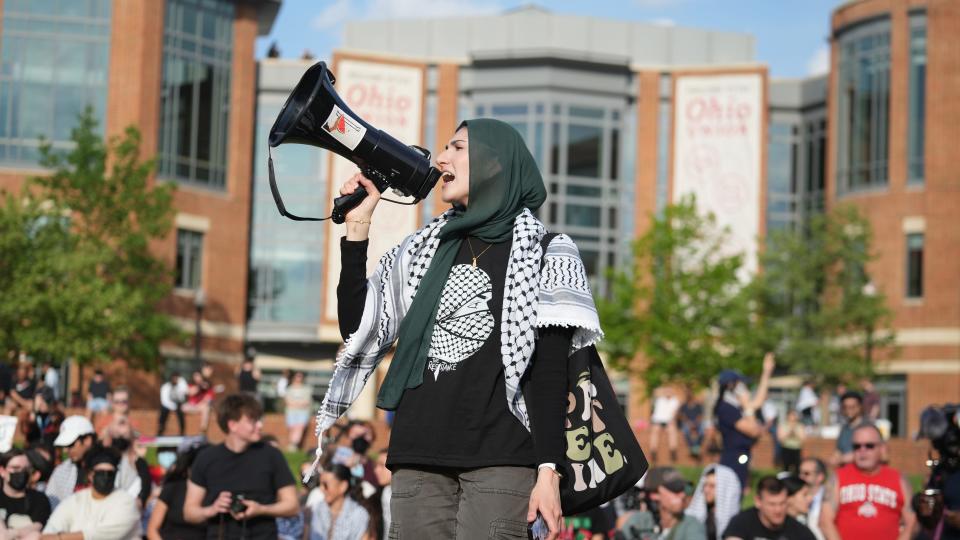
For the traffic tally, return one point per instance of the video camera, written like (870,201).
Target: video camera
(942,426)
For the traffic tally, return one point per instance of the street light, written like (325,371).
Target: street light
(870,291)
(199,301)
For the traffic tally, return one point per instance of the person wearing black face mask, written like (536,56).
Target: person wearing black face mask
(101,511)
(133,473)
(22,509)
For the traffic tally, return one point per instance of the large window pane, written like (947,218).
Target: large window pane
(583,150)
(53,66)
(918,95)
(864,96)
(583,216)
(195,99)
(915,265)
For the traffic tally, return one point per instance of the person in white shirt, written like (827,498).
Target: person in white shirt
(172,395)
(51,379)
(666,403)
(99,512)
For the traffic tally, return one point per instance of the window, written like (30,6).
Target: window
(54,62)
(189,259)
(915,265)
(195,96)
(863,115)
(918,93)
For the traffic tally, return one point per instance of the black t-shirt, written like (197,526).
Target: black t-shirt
(26,388)
(33,508)
(257,473)
(174,527)
(951,501)
(747,525)
(99,389)
(458,416)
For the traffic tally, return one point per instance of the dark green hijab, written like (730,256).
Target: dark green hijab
(504,180)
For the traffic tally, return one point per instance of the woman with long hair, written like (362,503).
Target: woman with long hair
(339,515)
(167,521)
(484,319)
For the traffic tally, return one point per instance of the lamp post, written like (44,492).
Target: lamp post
(870,291)
(199,301)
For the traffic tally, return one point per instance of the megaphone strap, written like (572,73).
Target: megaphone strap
(276,194)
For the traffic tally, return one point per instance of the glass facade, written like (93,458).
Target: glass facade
(55,62)
(795,171)
(864,107)
(918,95)
(195,93)
(286,257)
(578,146)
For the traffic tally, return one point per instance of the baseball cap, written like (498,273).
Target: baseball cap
(667,477)
(728,376)
(72,428)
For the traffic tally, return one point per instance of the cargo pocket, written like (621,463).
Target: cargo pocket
(507,529)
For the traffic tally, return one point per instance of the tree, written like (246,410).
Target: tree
(815,301)
(77,254)
(680,304)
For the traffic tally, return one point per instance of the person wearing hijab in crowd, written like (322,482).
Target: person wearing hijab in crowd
(472,453)
(716,499)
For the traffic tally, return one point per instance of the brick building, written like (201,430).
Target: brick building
(894,122)
(182,71)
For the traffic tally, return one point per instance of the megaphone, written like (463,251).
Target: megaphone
(315,115)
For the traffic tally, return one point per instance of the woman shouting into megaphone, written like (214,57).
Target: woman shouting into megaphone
(484,314)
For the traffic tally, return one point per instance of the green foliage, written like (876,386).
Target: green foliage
(78,277)
(816,301)
(684,307)
(679,304)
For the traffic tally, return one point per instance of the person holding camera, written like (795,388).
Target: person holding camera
(468,299)
(239,487)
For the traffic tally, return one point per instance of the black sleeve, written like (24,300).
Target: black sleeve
(738,527)
(547,388)
(39,507)
(353,285)
(282,477)
(146,481)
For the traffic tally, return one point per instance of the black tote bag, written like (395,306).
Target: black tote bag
(603,457)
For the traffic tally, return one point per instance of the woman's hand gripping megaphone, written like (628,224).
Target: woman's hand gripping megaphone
(358,219)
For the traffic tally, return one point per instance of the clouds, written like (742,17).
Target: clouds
(338,12)
(332,16)
(819,63)
(384,9)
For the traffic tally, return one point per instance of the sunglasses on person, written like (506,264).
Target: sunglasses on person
(868,446)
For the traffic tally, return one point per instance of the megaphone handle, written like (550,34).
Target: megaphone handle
(346,203)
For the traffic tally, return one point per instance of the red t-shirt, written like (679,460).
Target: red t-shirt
(869,505)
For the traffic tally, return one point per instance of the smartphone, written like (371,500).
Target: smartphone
(539,529)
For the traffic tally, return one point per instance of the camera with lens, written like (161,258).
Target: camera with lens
(236,503)
(942,426)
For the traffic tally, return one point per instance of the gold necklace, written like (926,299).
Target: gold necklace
(475,256)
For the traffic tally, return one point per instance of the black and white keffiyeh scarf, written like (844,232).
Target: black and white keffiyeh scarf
(557,296)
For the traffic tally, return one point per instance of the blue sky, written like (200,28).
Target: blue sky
(791,35)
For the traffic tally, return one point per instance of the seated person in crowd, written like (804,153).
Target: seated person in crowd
(76,436)
(23,509)
(674,524)
(716,499)
(167,519)
(769,519)
(99,512)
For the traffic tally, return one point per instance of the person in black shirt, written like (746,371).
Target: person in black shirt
(167,519)
(769,520)
(482,337)
(98,395)
(241,472)
(248,377)
(22,509)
